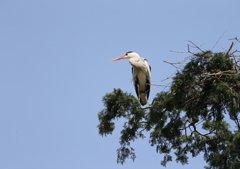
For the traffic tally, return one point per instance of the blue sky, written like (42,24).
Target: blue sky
(55,67)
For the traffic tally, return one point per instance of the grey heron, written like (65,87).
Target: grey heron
(141,75)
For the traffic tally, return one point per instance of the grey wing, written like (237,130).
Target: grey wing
(135,80)
(136,65)
(148,79)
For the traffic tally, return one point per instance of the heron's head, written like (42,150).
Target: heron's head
(127,55)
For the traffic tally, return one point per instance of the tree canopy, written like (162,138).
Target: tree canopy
(191,117)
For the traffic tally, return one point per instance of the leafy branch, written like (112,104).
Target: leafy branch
(201,94)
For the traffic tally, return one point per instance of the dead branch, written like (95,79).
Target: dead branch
(235,39)
(181,62)
(148,106)
(221,73)
(196,46)
(167,78)
(221,47)
(230,48)
(219,39)
(160,85)
(179,51)
(173,64)
(234,52)
(189,50)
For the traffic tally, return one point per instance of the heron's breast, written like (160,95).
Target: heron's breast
(141,75)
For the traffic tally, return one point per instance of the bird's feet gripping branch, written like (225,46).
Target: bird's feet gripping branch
(141,75)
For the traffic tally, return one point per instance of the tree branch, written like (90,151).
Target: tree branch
(230,48)
(179,51)
(195,129)
(196,46)
(148,106)
(167,78)
(219,39)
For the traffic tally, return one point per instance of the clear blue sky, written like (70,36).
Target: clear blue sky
(55,67)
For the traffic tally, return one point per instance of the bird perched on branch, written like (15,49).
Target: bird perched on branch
(141,75)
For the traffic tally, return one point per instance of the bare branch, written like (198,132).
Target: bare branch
(189,50)
(235,39)
(196,46)
(234,52)
(148,106)
(179,51)
(221,47)
(159,85)
(219,39)
(167,78)
(221,73)
(173,64)
(181,62)
(230,48)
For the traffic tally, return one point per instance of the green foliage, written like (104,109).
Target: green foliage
(188,119)
(119,104)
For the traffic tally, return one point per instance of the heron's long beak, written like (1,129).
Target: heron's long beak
(121,57)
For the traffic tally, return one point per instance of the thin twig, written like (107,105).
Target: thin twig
(196,46)
(158,85)
(179,51)
(221,47)
(219,39)
(230,48)
(235,39)
(189,50)
(167,78)
(234,52)
(172,64)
